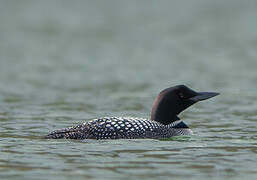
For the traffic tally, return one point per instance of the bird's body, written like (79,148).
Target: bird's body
(121,128)
(164,122)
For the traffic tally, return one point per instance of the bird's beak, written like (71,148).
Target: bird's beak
(200,96)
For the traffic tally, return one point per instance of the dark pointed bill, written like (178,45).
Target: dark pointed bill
(203,96)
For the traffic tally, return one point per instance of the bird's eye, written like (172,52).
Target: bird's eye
(181,95)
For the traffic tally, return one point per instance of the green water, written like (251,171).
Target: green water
(63,62)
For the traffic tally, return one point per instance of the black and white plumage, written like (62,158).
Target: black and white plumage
(121,128)
(164,122)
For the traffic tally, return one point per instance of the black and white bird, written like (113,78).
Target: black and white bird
(164,122)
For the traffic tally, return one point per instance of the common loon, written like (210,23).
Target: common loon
(164,122)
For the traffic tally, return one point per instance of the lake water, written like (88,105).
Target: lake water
(63,62)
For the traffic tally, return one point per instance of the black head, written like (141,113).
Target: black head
(172,101)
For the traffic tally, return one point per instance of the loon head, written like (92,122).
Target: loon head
(172,101)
